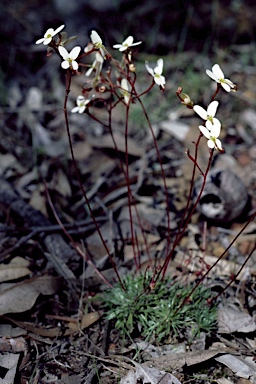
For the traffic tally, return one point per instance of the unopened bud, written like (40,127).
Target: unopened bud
(132,67)
(102,88)
(185,99)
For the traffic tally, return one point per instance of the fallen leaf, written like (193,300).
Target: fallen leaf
(38,201)
(178,360)
(245,368)
(87,320)
(175,128)
(8,331)
(16,269)
(81,150)
(60,183)
(231,320)
(223,380)
(21,297)
(149,376)
(9,361)
(8,161)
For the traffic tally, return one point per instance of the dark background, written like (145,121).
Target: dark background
(164,27)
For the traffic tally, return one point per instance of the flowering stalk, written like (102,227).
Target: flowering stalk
(121,86)
(68,83)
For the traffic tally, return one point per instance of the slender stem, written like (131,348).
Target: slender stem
(235,276)
(68,83)
(75,245)
(191,182)
(216,262)
(181,233)
(163,174)
(129,187)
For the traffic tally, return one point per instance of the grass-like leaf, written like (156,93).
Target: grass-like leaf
(153,314)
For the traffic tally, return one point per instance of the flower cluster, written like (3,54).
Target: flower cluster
(96,46)
(212,128)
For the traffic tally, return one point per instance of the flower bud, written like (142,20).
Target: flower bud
(186,100)
(132,68)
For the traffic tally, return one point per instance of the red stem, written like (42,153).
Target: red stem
(68,83)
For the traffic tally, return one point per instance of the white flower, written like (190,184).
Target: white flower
(125,90)
(209,114)
(212,136)
(127,43)
(69,58)
(96,65)
(97,42)
(49,35)
(157,72)
(81,103)
(217,75)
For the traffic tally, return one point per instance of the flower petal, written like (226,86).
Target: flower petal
(117,46)
(49,31)
(65,64)
(81,109)
(63,52)
(75,52)
(74,65)
(208,125)
(229,82)
(160,64)
(212,108)
(216,122)
(79,99)
(211,144)
(225,86)
(89,71)
(133,44)
(47,41)
(99,58)
(95,38)
(217,71)
(40,41)
(59,29)
(212,76)
(150,70)
(204,131)
(215,131)
(124,84)
(128,41)
(160,80)
(200,111)
(218,144)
